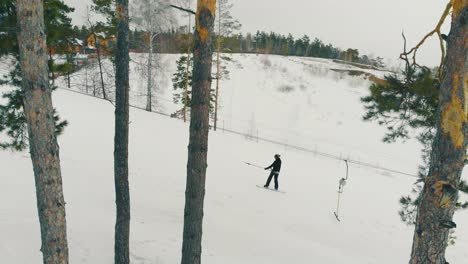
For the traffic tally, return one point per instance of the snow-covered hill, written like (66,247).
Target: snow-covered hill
(308,102)
(243,224)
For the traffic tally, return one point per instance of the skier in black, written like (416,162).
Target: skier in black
(275,170)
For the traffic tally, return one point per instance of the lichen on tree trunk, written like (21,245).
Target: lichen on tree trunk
(199,127)
(439,195)
(43,144)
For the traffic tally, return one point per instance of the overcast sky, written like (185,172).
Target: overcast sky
(372,26)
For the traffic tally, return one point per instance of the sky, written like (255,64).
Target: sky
(371,26)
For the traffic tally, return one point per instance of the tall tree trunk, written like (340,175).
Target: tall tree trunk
(51,68)
(150,66)
(41,128)
(68,79)
(104,95)
(187,70)
(199,127)
(122,192)
(447,158)
(187,76)
(218,65)
(94,87)
(86,77)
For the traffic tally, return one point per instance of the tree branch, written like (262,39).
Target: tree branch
(404,55)
(183,9)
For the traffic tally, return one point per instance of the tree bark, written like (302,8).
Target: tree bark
(104,95)
(199,127)
(187,76)
(448,154)
(51,69)
(218,65)
(187,71)
(68,79)
(41,128)
(150,66)
(122,192)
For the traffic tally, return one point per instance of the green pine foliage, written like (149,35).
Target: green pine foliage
(59,28)
(8,27)
(13,122)
(405,103)
(179,80)
(106,8)
(59,35)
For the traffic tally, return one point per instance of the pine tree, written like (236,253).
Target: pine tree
(448,156)
(199,127)
(106,8)
(182,86)
(12,116)
(226,25)
(404,101)
(8,39)
(39,113)
(59,30)
(122,192)
(182,83)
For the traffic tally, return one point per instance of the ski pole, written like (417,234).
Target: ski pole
(254,165)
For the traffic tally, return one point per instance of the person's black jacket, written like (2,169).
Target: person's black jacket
(276,165)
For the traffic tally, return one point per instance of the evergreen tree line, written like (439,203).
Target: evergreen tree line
(175,41)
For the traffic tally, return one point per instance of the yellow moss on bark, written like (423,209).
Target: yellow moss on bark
(203,33)
(120,11)
(458,5)
(454,116)
(465,92)
(209,5)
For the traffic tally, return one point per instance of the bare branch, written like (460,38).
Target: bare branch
(436,30)
(183,9)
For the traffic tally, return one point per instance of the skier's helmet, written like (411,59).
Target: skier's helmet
(277,156)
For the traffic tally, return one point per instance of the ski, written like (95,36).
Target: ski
(273,190)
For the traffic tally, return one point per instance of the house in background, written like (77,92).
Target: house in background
(71,46)
(76,46)
(100,40)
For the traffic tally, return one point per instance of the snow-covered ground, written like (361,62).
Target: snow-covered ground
(243,224)
(297,101)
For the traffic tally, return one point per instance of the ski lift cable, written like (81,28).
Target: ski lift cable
(323,154)
(339,158)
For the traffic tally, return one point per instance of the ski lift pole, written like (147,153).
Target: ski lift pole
(347,169)
(341,185)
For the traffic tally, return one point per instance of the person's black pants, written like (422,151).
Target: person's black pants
(273,173)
